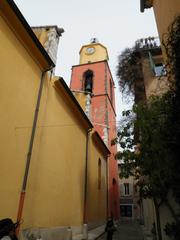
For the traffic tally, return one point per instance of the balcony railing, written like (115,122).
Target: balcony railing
(148,43)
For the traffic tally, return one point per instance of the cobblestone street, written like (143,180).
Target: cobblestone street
(126,231)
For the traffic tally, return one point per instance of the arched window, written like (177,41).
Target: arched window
(111,90)
(88,81)
(99,174)
(114,181)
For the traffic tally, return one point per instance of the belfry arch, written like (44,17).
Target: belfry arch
(88,81)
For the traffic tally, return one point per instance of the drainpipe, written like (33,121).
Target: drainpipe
(106,134)
(30,148)
(107,180)
(85,230)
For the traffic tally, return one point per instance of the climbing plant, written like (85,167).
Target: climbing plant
(171,43)
(127,69)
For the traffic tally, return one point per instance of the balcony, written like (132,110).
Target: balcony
(147,43)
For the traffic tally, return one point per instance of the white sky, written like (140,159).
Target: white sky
(117,24)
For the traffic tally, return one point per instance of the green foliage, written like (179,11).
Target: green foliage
(173,230)
(128,69)
(153,156)
(149,158)
(172,47)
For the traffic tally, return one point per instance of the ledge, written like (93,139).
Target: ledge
(145,4)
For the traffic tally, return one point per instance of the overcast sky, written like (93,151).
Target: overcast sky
(117,24)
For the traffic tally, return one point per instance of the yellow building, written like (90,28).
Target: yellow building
(165,11)
(53,165)
(152,67)
(49,38)
(87,56)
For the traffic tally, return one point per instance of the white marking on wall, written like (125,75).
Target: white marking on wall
(51,45)
(88,105)
(105,136)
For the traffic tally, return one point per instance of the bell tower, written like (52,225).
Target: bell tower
(93,86)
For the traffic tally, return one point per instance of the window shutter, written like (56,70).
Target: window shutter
(122,189)
(130,189)
(151,63)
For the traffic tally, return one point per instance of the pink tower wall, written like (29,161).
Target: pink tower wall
(102,112)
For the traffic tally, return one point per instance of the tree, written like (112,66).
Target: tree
(149,158)
(150,135)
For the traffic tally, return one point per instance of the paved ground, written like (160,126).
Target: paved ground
(126,231)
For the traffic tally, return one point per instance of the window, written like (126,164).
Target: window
(126,210)
(157,66)
(111,90)
(99,174)
(159,69)
(88,81)
(114,181)
(126,188)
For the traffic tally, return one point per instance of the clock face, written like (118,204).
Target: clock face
(90,50)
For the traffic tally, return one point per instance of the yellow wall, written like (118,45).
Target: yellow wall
(81,98)
(41,34)
(19,82)
(165,11)
(56,177)
(56,183)
(55,188)
(99,54)
(97,198)
(153,85)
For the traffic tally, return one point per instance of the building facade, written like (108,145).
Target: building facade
(165,13)
(129,198)
(155,83)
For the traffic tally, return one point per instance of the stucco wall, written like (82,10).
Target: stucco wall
(165,11)
(56,181)
(55,188)
(97,197)
(153,85)
(19,81)
(148,215)
(100,53)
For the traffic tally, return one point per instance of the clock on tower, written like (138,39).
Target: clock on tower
(93,52)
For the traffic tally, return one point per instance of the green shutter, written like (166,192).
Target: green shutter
(151,63)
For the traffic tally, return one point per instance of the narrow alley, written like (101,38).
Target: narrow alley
(89,120)
(127,230)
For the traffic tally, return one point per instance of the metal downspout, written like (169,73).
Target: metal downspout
(107,143)
(107,179)
(29,153)
(85,187)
